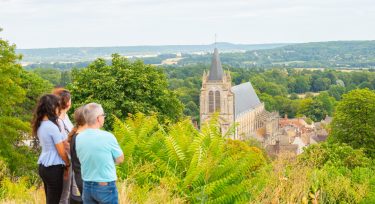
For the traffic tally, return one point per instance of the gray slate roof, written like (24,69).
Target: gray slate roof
(245,98)
(216,70)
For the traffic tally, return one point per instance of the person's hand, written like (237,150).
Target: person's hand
(66,146)
(66,172)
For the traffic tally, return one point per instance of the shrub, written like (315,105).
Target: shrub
(196,166)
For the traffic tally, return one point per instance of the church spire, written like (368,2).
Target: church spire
(216,70)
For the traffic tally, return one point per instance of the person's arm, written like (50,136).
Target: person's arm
(57,138)
(117,154)
(60,147)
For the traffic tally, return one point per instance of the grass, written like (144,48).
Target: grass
(128,193)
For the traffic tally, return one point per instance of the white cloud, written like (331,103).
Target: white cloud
(54,23)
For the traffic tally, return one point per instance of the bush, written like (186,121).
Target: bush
(196,166)
(324,173)
(18,190)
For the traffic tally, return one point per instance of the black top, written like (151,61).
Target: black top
(76,165)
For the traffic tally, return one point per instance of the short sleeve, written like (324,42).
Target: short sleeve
(56,135)
(115,147)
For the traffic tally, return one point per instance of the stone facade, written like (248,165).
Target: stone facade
(238,105)
(216,96)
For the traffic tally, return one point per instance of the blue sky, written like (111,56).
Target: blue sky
(76,23)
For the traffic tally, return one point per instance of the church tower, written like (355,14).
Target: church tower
(216,95)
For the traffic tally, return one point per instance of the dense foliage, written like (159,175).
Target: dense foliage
(55,76)
(324,173)
(124,88)
(197,166)
(354,120)
(19,91)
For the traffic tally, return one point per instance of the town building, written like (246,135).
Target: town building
(235,105)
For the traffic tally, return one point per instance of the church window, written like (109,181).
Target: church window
(211,104)
(217,101)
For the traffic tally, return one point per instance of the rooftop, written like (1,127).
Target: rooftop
(245,98)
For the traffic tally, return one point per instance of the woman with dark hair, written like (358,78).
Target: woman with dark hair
(65,104)
(66,126)
(76,165)
(53,160)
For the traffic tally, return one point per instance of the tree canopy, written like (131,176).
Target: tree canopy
(125,87)
(354,120)
(19,91)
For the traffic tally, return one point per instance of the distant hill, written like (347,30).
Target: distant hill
(79,54)
(335,54)
(351,54)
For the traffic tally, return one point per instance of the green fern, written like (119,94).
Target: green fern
(204,166)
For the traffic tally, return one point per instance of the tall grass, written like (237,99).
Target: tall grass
(128,193)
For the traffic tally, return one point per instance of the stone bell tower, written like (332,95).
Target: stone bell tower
(216,95)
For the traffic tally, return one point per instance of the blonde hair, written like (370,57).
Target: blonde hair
(79,120)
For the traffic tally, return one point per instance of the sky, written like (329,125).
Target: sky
(96,23)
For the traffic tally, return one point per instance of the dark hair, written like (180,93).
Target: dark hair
(46,106)
(79,120)
(64,96)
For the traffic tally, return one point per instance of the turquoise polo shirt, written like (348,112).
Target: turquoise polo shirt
(97,150)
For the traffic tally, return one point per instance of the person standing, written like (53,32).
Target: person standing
(80,125)
(53,160)
(98,151)
(66,126)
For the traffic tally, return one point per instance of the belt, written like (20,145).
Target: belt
(99,183)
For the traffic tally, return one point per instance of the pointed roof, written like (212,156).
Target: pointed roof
(216,70)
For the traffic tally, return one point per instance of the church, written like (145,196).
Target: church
(238,105)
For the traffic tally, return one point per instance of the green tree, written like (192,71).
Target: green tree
(274,89)
(269,101)
(51,74)
(11,91)
(365,84)
(327,101)
(65,78)
(300,85)
(354,120)
(336,91)
(293,96)
(19,90)
(312,108)
(124,88)
(34,86)
(321,84)
(285,105)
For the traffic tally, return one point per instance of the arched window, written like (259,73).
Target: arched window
(217,101)
(211,102)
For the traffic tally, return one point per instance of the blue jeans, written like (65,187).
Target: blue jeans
(93,193)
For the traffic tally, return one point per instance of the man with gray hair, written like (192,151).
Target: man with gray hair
(98,151)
